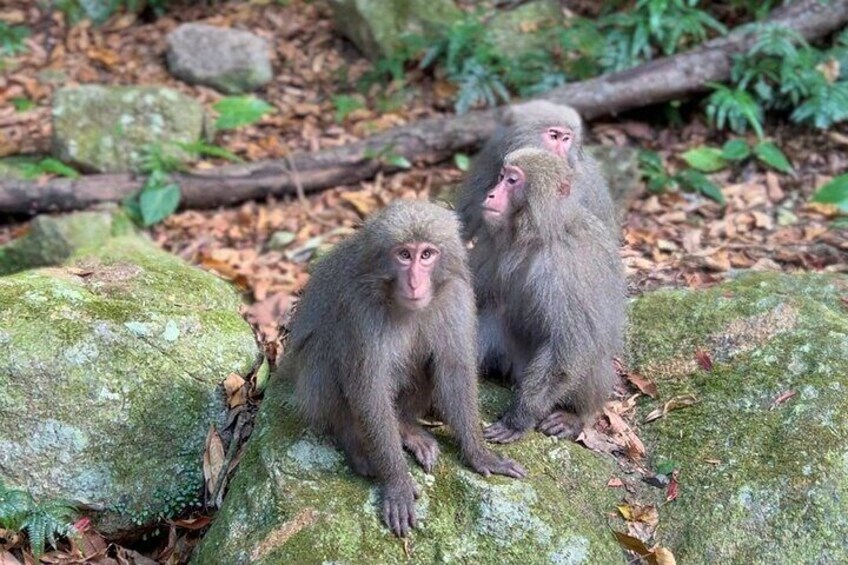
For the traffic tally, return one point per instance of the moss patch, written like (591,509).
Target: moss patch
(294,500)
(759,482)
(109,378)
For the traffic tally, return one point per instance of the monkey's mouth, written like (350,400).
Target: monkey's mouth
(491,211)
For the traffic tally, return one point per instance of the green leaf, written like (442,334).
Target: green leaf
(736,150)
(693,180)
(771,155)
(203,149)
(666,467)
(706,159)
(159,202)
(398,161)
(237,111)
(834,192)
(462,161)
(48,166)
(22,104)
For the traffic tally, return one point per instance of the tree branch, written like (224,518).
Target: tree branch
(431,140)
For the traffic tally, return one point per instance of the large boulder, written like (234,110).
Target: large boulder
(376,27)
(763,454)
(110,367)
(294,500)
(230,60)
(109,128)
(620,167)
(525,29)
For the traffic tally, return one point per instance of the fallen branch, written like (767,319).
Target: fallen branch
(431,140)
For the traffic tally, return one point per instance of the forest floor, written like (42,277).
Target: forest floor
(673,239)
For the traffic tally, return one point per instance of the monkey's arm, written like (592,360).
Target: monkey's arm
(370,398)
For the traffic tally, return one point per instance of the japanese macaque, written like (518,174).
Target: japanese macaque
(384,332)
(551,291)
(543,125)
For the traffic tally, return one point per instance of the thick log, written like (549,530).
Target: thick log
(431,140)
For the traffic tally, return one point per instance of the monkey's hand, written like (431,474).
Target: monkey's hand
(399,506)
(502,432)
(488,463)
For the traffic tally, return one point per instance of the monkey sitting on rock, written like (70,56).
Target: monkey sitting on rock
(551,292)
(386,330)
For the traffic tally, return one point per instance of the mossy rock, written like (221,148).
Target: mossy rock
(110,369)
(525,29)
(107,128)
(294,500)
(760,482)
(376,27)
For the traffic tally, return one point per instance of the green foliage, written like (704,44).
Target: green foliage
(99,11)
(835,192)
(654,26)
(48,166)
(42,522)
(659,180)
(736,150)
(387,156)
(345,104)
(706,159)
(238,111)
(22,104)
(12,39)
(771,155)
(698,182)
(782,72)
(158,197)
(462,161)
(203,149)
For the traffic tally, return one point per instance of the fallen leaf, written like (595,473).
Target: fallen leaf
(363,201)
(631,543)
(213,461)
(664,556)
(681,401)
(704,360)
(194,523)
(596,441)
(637,513)
(615,482)
(234,386)
(644,384)
(671,492)
(783,397)
(713,461)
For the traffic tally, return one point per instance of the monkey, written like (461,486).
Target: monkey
(386,330)
(552,298)
(543,125)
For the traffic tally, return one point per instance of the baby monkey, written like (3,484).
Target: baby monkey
(551,291)
(386,330)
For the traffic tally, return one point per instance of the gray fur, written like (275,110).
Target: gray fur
(365,368)
(551,293)
(523,127)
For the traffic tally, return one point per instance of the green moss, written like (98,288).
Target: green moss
(123,411)
(293,500)
(760,482)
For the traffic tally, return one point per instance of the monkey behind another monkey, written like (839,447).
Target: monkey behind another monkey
(385,330)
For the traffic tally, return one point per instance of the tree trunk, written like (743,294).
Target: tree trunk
(431,140)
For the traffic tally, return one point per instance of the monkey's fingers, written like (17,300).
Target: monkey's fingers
(399,511)
(509,468)
(561,425)
(501,433)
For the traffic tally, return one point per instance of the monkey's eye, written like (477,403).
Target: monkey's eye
(428,253)
(500,176)
(512,180)
(554,134)
(405,254)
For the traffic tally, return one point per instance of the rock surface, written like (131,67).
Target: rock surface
(230,60)
(293,500)
(376,26)
(521,30)
(763,455)
(107,129)
(109,379)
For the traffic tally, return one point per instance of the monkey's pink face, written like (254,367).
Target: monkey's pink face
(557,140)
(414,263)
(499,200)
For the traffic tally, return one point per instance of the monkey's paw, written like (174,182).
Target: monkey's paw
(399,507)
(423,447)
(500,432)
(561,424)
(487,463)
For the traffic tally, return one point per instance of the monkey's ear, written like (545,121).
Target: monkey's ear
(564,188)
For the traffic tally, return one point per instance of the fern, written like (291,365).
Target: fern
(734,108)
(43,523)
(12,39)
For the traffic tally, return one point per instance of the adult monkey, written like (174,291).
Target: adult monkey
(386,329)
(544,125)
(552,294)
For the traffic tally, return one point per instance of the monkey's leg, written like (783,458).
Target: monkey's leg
(491,345)
(411,405)
(540,387)
(580,407)
(350,441)
(562,424)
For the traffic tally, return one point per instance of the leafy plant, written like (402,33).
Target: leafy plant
(22,104)
(659,180)
(47,166)
(734,108)
(159,197)
(834,192)
(203,149)
(711,159)
(12,39)
(345,104)
(387,156)
(238,111)
(43,522)
(665,26)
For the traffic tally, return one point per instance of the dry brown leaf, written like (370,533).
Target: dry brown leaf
(615,482)
(631,543)
(675,403)
(234,386)
(213,461)
(783,397)
(362,200)
(705,361)
(643,384)
(637,513)
(663,556)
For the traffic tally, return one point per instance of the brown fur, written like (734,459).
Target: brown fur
(365,368)
(551,292)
